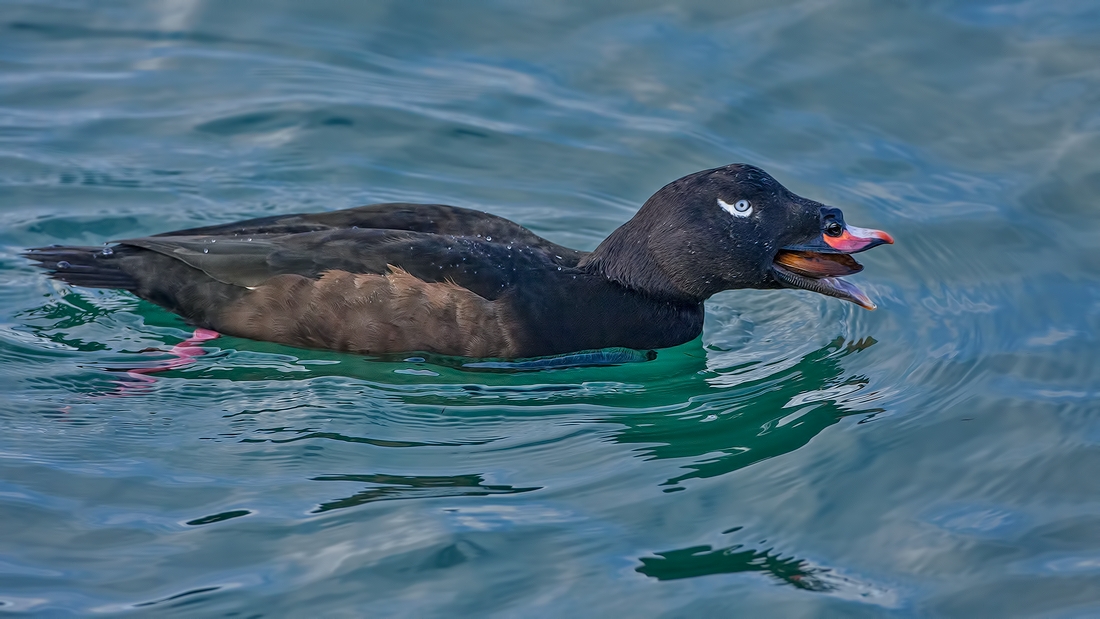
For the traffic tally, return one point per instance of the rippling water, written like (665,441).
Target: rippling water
(936,457)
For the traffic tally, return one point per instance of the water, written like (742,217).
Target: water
(936,457)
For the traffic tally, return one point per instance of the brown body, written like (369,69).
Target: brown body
(372,314)
(334,281)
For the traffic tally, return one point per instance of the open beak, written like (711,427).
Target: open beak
(819,266)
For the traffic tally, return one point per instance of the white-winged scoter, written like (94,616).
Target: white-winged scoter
(388,278)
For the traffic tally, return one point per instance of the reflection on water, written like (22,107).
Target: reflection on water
(389,487)
(706,561)
(234,513)
(698,561)
(758,419)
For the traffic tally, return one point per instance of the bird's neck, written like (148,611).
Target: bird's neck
(627,258)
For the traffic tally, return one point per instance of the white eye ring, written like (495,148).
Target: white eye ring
(741,208)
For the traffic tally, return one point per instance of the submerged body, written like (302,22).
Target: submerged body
(389,278)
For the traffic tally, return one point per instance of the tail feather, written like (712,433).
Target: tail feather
(91,267)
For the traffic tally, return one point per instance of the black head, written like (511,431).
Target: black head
(734,227)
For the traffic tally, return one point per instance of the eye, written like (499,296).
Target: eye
(834,228)
(741,208)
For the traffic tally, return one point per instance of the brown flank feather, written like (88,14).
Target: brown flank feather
(370,314)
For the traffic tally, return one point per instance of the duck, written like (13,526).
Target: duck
(431,278)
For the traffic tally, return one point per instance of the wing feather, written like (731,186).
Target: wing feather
(487,268)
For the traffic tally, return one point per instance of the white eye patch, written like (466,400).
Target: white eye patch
(741,208)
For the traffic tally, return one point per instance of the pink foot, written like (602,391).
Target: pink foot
(183,354)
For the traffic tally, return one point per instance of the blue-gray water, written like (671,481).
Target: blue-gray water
(937,457)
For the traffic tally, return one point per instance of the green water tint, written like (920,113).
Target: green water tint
(752,422)
(758,419)
(586,358)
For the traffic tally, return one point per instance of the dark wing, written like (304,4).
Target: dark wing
(426,218)
(484,267)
